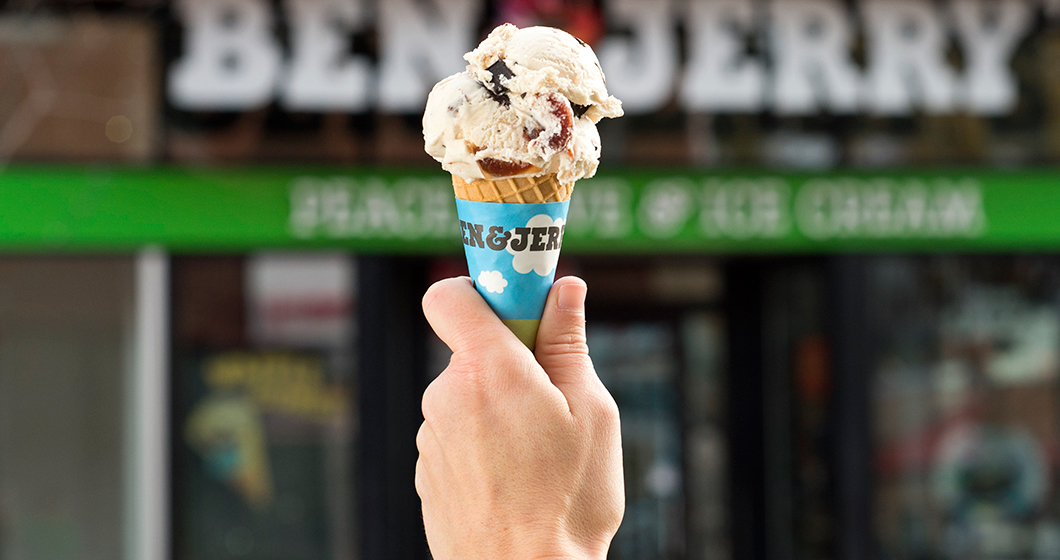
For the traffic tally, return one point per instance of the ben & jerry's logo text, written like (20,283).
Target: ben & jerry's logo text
(534,239)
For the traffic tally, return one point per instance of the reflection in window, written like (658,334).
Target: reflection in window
(639,364)
(265,419)
(666,379)
(967,407)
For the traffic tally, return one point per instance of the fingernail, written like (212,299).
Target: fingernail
(572,297)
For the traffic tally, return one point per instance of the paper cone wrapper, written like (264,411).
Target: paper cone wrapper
(512,248)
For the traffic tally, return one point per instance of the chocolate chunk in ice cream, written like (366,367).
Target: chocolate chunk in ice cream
(579,110)
(498,92)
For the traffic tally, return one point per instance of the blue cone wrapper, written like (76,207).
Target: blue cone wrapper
(512,251)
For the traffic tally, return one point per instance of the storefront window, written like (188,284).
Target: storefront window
(706,460)
(967,407)
(265,421)
(638,362)
(667,381)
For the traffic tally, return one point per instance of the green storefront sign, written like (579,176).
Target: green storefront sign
(103,209)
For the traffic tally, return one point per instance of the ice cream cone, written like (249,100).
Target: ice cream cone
(513,190)
(527,104)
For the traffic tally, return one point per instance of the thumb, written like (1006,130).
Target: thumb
(562,349)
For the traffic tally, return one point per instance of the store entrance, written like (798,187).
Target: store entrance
(772,408)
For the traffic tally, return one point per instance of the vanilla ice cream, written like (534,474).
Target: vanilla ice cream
(527,106)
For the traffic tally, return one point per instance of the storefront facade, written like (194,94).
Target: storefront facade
(820,253)
(801,372)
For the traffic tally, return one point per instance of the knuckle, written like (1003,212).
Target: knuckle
(421,438)
(605,410)
(569,341)
(475,370)
(464,385)
(476,377)
(421,477)
(470,337)
(431,397)
(575,340)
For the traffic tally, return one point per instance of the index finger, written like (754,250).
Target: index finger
(461,318)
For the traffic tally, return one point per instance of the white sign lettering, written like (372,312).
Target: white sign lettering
(990,31)
(232,61)
(321,75)
(745,208)
(719,76)
(794,57)
(343,208)
(641,70)
(812,48)
(602,209)
(907,52)
(886,208)
(422,42)
(668,208)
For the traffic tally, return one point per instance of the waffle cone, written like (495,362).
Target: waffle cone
(513,190)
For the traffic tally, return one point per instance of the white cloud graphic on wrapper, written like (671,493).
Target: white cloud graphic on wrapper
(541,262)
(493,281)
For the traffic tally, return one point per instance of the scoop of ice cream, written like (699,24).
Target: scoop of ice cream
(527,105)
(543,58)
